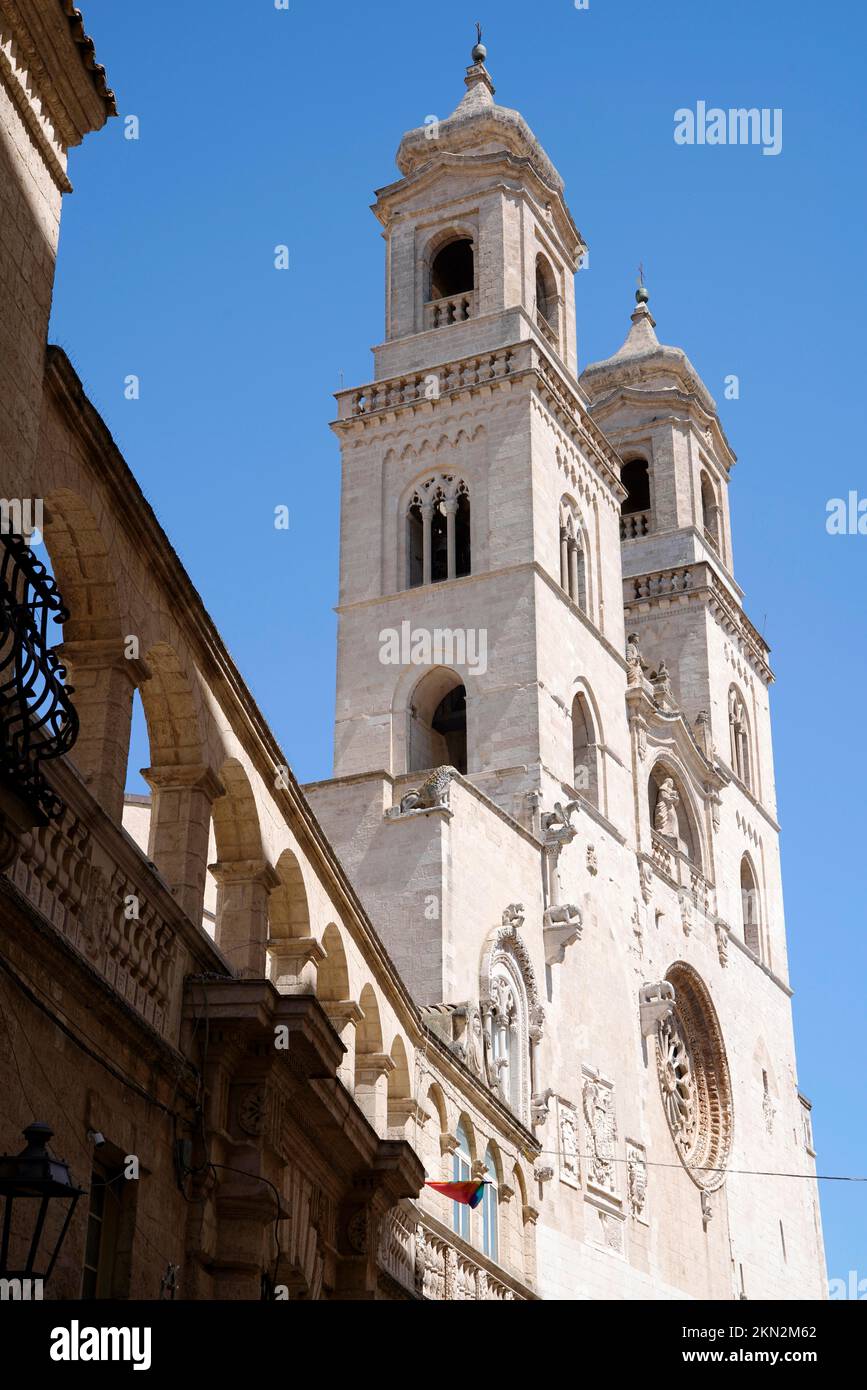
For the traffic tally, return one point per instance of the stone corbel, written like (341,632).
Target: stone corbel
(539,1106)
(294,963)
(506,1192)
(561,926)
(530,1214)
(655,1003)
(449,1143)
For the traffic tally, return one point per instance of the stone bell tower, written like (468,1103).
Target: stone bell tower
(481,503)
(553,784)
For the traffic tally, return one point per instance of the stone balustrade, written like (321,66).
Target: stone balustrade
(680,871)
(547,331)
(455,308)
(634,525)
(87,877)
(662,582)
(431,1262)
(395,392)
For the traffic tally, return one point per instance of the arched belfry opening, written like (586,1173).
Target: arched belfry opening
(438,723)
(438,531)
(710,511)
(452,270)
(635,511)
(547,300)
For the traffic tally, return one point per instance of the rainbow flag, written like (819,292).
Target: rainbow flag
(469,1194)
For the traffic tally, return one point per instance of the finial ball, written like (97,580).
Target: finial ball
(641,295)
(479,53)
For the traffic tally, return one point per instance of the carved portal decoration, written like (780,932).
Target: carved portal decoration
(251,1111)
(598,1102)
(663,692)
(694,1080)
(512,1014)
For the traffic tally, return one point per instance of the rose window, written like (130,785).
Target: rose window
(694,1080)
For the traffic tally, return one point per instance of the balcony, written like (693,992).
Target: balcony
(430,1262)
(456,308)
(680,871)
(634,525)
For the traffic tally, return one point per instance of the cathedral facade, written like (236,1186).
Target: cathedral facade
(531,931)
(553,782)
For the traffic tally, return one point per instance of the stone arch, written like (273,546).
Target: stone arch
(710,510)
(435,516)
(244,879)
(676,819)
(449,261)
(171,709)
(575,555)
(635,510)
(399,1090)
(512,1016)
(694,1079)
(751,906)
(81,564)
(740,739)
(369,1031)
(547,298)
(92,649)
(333,973)
(437,722)
(288,908)
(586,746)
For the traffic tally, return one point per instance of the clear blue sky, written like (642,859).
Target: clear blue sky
(261,127)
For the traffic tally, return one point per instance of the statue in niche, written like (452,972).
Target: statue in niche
(665,815)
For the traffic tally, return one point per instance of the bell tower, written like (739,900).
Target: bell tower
(480,546)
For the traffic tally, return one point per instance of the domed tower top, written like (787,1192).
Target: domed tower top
(656,410)
(482,248)
(478,126)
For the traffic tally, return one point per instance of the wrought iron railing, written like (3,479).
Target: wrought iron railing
(37,718)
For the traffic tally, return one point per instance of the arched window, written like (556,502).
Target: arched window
(461,1172)
(573,569)
(739,732)
(452,282)
(509,1036)
(546,299)
(750,907)
(438,722)
(490,1201)
(710,511)
(585,751)
(438,532)
(635,511)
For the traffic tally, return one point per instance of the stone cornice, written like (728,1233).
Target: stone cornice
(697,581)
(47,40)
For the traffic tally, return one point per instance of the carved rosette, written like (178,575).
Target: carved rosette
(694,1080)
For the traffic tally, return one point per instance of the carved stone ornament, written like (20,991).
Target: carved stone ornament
(251,1111)
(722,943)
(561,926)
(665,820)
(557,824)
(694,1080)
(663,693)
(636,1179)
(543,1172)
(635,666)
(645,874)
(655,1004)
(570,1169)
(513,917)
(358,1231)
(686,908)
(592,860)
(539,1106)
(432,795)
(598,1098)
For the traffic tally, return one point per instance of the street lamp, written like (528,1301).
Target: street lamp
(33,1179)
